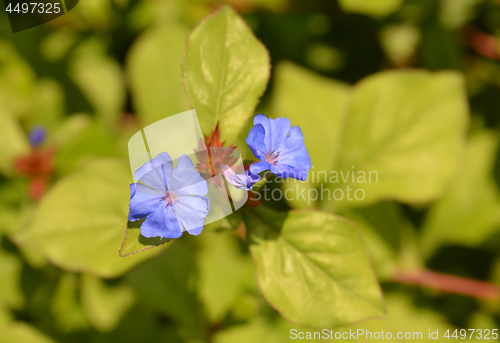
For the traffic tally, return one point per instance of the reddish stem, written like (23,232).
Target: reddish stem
(448,283)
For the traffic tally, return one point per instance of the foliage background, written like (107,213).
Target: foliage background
(96,75)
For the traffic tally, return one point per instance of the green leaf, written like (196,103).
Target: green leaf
(13,142)
(88,140)
(225,71)
(66,310)
(99,78)
(376,8)
(469,212)
(49,107)
(296,93)
(5,317)
(103,304)
(134,242)
(21,332)
(454,14)
(225,272)
(17,81)
(399,42)
(313,268)
(164,284)
(403,317)
(381,227)
(79,224)
(257,330)
(402,139)
(11,294)
(153,68)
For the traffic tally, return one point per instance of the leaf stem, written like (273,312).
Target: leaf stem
(448,283)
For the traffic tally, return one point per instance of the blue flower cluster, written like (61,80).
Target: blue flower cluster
(279,147)
(172,200)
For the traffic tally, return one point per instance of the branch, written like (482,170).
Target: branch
(448,283)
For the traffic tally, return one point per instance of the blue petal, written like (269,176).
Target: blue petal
(294,159)
(240,181)
(186,180)
(143,202)
(256,141)
(196,232)
(156,173)
(162,223)
(132,190)
(276,132)
(37,136)
(192,211)
(258,167)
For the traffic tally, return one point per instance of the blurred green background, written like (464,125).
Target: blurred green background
(95,76)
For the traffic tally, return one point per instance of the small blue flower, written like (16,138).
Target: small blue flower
(37,136)
(241,181)
(279,147)
(168,198)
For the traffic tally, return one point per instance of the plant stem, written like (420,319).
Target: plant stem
(448,283)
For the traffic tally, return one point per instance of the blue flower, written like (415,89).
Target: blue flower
(241,181)
(279,147)
(168,198)
(37,136)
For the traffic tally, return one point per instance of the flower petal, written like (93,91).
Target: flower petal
(186,180)
(295,155)
(240,181)
(192,211)
(132,190)
(196,232)
(256,141)
(143,202)
(162,223)
(258,167)
(156,173)
(278,132)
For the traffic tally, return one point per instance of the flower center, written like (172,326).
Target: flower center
(272,157)
(170,198)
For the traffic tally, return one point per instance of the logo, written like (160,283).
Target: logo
(180,137)
(25,14)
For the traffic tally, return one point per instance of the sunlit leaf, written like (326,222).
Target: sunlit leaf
(100,79)
(17,81)
(297,94)
(79,224)
(313,268)
(376,8)
(381,227)
(225,71)
(13,142)
(224,273)
(469,212)
(66,309)
(88,140)
(403,318)
(11,294)
(454,14)
(103,304)
(134,242)
(21,332)
(403,139)
(154,70)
